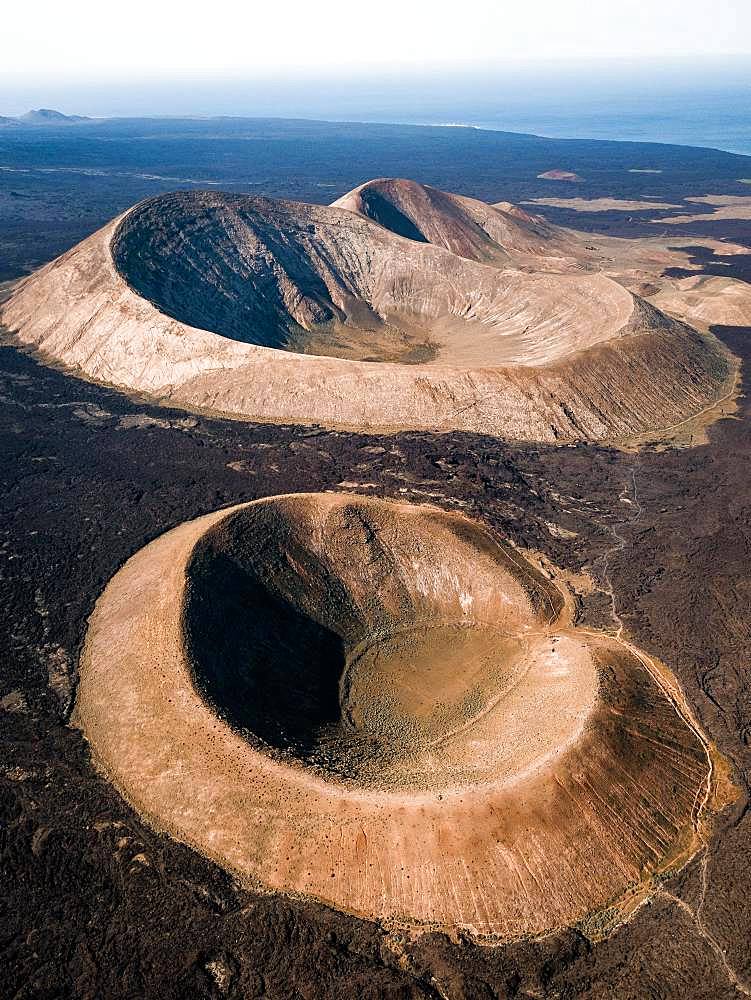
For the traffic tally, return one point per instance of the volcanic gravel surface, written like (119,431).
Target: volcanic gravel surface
(94,903)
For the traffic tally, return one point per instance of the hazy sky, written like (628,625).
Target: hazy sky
(147,39)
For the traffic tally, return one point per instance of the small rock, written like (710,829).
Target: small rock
(14,701)
(222,970)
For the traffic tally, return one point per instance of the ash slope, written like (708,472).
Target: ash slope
(291,312)
(319,281)
(540,783)
(498,234)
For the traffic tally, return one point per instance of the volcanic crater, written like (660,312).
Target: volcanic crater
(386,707)
(400,306)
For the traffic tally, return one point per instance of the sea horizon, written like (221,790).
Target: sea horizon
(690,103)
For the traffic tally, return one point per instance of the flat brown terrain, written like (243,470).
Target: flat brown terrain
(602,204)
(723,207)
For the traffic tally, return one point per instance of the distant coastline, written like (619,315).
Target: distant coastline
(692,102)
(730,132)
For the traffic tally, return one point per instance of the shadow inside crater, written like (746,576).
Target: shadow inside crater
(267,668)
(359,639)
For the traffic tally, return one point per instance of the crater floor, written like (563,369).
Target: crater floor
(400,306)
(385,707)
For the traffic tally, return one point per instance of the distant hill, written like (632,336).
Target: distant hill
(9,122)
(47,116)
(560,175)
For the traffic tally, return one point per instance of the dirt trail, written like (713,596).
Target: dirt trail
(670,685)
(429,834)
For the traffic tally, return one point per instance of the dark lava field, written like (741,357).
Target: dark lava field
(94,903)
(57,185)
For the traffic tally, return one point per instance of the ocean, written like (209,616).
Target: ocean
(707,104)
(721,121)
